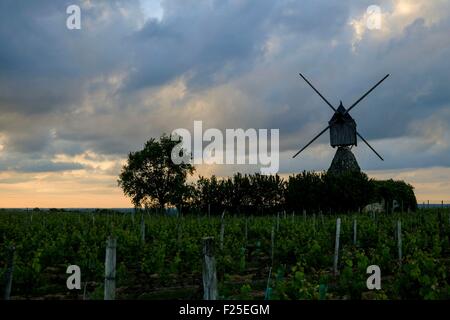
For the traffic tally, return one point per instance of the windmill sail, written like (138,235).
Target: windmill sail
(317,91)
(365,95)
(369,145)
(314,139)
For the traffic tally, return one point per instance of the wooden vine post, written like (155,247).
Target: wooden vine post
(268,288)
(222,230)
(278,221)
(272,244)
(142,229)
(314,223)
(110,269)
(9,273)
(399,240)
(246,232)
(210,291)
(336,246)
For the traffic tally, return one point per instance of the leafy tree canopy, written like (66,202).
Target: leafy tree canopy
(151,178)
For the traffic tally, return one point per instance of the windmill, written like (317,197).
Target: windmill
(343,133)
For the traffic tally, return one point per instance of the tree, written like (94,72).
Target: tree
(266,193)
(347,191)
(151,178)
(305,191)
(209,192)
(236,190)
(389,190)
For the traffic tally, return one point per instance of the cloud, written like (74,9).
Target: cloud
(17,163)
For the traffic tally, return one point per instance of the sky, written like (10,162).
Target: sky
(74,103)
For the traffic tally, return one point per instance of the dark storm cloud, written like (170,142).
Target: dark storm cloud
(65,92)
(48,166)
(210,37)
(33,68)
(46,70)
(199,37)
(43,65)
(30,165)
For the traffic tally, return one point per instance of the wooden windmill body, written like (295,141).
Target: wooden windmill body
(343,134)
(342,129)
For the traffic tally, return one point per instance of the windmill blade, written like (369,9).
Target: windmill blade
(369,145)
(365,95)
(326,101)
(321,132)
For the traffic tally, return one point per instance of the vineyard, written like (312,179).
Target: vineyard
(285,256)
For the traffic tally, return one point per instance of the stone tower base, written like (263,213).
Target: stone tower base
(344,160)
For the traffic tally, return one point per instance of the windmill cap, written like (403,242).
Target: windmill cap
(341,108)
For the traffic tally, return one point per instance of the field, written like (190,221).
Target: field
(166,261)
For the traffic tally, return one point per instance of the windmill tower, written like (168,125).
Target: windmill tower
(343,134)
